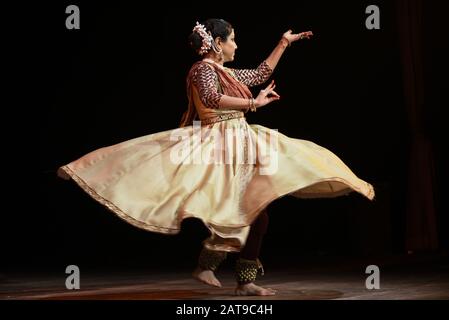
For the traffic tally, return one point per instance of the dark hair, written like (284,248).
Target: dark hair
(217,27)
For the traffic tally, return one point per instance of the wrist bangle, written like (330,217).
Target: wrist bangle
(288,42)
(252,105)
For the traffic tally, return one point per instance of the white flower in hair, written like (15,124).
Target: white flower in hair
(207,38)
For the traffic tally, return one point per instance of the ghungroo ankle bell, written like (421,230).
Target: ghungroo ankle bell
(246,270)
(211,259)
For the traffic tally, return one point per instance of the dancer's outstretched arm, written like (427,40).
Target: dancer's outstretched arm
(287,39)
(254,77)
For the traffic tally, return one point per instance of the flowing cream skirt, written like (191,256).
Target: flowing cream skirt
(223,173)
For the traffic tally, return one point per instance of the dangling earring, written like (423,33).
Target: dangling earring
(218,50)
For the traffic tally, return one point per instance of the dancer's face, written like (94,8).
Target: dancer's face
(229,47)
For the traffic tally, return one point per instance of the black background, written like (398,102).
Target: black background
(122,75)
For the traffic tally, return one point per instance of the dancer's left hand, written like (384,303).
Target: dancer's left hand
(292,37)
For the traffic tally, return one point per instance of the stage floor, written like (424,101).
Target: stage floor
(424,280)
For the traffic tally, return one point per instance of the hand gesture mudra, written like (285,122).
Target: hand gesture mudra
(266,95)
(292,37)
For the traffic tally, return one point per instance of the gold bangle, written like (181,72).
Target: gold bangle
(252,105)
(288,42)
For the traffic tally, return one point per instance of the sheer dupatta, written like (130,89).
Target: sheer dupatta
(229,85)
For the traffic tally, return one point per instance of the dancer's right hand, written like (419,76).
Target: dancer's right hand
(266,95)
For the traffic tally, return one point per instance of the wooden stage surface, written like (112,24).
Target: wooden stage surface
(404,281)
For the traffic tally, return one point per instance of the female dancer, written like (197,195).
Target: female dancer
(219,169)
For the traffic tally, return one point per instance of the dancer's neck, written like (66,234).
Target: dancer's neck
(220,65)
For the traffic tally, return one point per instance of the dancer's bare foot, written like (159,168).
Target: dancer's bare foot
(251,289)
(206,276)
